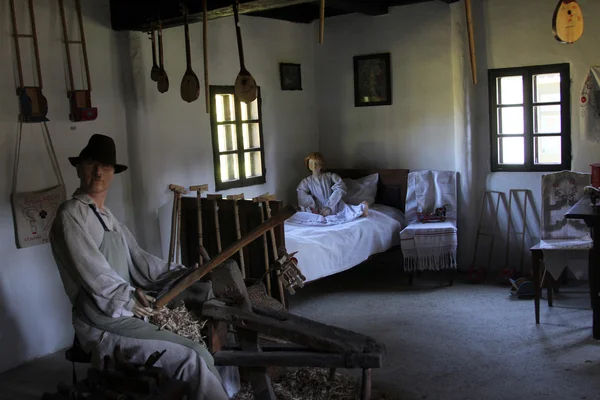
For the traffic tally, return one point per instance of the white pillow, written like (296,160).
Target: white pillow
(362,189)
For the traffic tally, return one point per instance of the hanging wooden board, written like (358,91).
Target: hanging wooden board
(32,102)
(190,85)
(163,80)
(245,85)
(567,21)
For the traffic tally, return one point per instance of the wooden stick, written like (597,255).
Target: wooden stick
(178,248)
(67,47)
(274,247)
(35,44)
(173,219)
(83,46)
(214,198)
(260,200)
(205,50)
(471,40)
(177,190)
(321,21)
(199,189)
(17,48)
(198,273)
(238,231)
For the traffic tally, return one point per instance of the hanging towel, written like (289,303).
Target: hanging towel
(565,242)
(589,113)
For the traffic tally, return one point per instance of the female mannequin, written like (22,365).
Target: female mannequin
(320,196)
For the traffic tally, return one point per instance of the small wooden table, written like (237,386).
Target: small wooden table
(591,216)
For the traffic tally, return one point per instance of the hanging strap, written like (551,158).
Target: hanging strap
(93,207)
(51,153)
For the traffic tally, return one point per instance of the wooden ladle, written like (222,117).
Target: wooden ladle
(163,80)
(245,85)
(190,85)
(155,70)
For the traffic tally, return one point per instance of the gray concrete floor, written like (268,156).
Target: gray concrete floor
(461,342)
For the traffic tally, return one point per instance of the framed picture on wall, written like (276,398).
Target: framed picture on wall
(291,76)
(372,80)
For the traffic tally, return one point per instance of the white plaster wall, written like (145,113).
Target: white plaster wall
(525,38)
(170,140)
(417,130)
(35,314)
(429,125)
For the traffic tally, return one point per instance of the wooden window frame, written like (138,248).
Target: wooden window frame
(243,181)
(528,107)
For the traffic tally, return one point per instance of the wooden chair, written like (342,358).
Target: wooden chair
(560,191)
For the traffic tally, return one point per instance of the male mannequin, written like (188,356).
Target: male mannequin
(101,266)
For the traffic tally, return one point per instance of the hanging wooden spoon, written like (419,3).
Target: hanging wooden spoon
(190,85)
(163,80)
(205,51)
(155,70)
(245,85)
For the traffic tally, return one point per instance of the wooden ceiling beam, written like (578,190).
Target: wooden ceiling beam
(363,7)
(245,8)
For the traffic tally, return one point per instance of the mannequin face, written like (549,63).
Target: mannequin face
(95,177)
(315,165)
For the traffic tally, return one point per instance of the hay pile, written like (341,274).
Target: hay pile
(311,384)
(181,321)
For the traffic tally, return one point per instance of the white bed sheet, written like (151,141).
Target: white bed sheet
(326,250)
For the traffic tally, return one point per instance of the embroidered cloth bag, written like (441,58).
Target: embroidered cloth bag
(33,212)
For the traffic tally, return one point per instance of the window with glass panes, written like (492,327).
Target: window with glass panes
(238,149)
(530,118)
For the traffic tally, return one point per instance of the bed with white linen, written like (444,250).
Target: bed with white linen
(326,250)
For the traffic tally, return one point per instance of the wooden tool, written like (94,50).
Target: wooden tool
(190,85)
(264,199)
(245,85)
(33,104)
(471,40)
(201,251)
(205,52)
(155,71)
(567,21)
(163,80)
(236,210)
(321,21)
(312,343)
(260,200)
(175,220)
(80,100)
(215,198)
(198,273)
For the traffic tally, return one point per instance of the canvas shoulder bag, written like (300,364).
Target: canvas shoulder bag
(34,212)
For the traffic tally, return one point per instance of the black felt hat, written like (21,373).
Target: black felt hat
(100,148)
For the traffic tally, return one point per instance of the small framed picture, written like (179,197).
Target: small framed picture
(291,77)
(372,80)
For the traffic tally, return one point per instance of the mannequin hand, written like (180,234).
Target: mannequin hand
(326,211)
(142,306)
